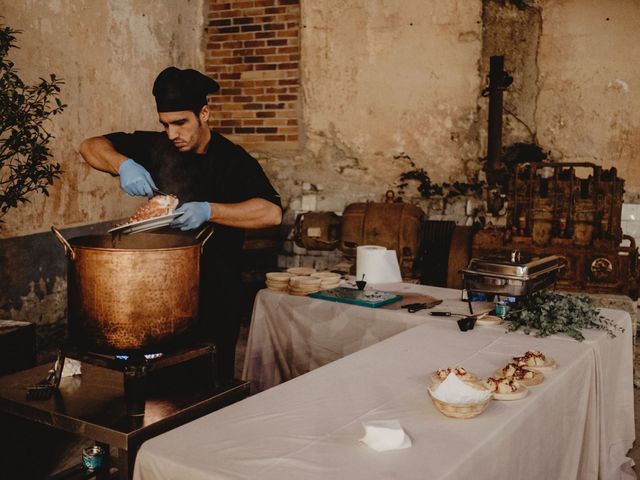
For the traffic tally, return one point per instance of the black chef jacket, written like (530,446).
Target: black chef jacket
(226,173)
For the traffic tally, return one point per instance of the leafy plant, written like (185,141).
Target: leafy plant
(428,189)
(25,159)
(551,312)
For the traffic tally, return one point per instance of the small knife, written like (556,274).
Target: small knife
(156,190)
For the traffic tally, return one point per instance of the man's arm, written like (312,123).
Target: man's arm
(252,213)
(101,155)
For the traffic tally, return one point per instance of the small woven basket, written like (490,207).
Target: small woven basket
(460,410)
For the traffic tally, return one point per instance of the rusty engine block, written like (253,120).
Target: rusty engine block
(553,211)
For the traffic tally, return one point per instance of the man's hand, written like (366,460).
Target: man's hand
(135,180)
(193,215)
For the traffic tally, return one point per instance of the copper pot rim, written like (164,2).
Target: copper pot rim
(108,243)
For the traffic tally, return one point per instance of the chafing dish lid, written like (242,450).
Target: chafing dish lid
(514,264)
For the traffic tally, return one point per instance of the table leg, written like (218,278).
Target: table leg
(103,473)
(135,380)
(126,461)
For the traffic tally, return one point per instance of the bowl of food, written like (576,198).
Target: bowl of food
(460,410)
(441,375)
(456,398)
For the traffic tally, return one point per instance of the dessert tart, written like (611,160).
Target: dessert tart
(536,361)
(442,373)
(506,388)
(524,376)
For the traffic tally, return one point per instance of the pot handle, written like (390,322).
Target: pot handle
(68,250)
(205,233)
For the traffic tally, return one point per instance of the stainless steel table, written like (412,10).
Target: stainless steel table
(93,405)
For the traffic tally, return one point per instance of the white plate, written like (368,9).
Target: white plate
(537,379)
(488,320)
(549,365)
(145,225)
(468,378)
(521,392)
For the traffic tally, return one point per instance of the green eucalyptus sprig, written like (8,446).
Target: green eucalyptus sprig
(551,312)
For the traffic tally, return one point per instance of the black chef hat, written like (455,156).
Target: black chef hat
(177,90)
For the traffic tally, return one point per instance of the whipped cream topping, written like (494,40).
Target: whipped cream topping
(454,390)
(442,373)
(502,385)
(532,358)
(513,370)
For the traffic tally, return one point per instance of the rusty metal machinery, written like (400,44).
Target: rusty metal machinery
(391,224)
(554,211)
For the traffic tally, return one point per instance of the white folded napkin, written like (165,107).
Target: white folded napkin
(71,367)
(383,435)
(454,390)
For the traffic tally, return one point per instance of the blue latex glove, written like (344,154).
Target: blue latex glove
(135,180)
(193,215)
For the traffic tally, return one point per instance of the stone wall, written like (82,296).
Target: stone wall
(108,54)
(385,87)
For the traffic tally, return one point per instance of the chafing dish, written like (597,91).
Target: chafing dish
(511,275)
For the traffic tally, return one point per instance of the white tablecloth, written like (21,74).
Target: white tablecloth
(578,424)
(292,335)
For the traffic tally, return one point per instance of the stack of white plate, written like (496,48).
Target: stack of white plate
(301,271)
(278,281)
(304,285)
(328,280)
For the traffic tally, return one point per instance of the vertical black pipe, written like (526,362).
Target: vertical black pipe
(496,86)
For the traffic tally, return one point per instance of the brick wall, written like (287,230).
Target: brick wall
(253,52)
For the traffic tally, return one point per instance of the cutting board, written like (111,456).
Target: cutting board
(364,298)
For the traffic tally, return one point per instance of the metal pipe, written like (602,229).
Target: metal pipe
(529,221)
(498,81)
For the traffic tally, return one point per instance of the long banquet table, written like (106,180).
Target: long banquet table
(293,335)
(577,424)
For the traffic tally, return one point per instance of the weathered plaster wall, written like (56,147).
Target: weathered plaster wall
(588,108)
(108,52)
(513,32)
(387,86)
(576,79)
(384,84)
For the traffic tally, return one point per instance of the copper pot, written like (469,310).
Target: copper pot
(132,292)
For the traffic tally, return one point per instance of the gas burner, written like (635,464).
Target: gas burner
(148,356)
(136,367)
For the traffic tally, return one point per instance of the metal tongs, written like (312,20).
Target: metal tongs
(45,387)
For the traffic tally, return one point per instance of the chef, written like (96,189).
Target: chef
(215,180)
